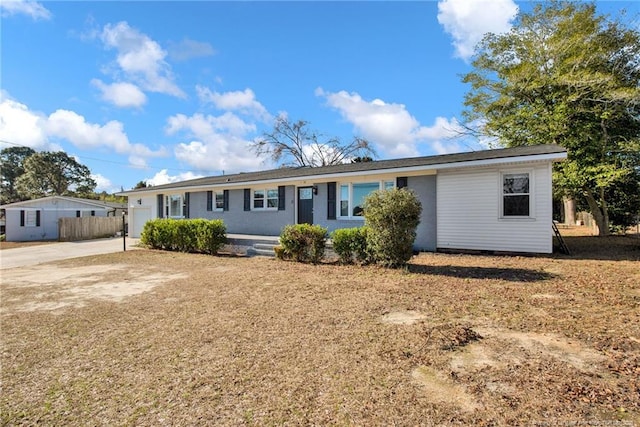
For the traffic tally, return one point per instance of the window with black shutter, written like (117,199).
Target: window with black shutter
(225,202)
(281,201)
(331,200)
(185,206)
(160,205)
(209,201)
(247,199)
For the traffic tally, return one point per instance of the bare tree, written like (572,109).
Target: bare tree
(294,144)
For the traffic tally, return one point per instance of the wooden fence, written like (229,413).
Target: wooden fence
(90,227)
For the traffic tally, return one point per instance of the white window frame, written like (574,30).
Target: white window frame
(384,184)
(503,174)
(167,206)
(216,195)
(265,191)
(30,217)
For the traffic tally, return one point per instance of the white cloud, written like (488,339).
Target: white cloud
(218,143)
(27,7)
(467,21)
(20,125)
(187,49)
(104,184)
(73,127)
(122,94)
(242,101)
(163,177)
(141,59)
(391,128)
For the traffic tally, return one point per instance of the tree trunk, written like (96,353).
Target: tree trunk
(569,204)
(601,219)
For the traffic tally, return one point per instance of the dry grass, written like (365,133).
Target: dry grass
(453,340)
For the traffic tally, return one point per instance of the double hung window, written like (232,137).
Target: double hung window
(173,206)
(516,195)
(265,199)
(352,196)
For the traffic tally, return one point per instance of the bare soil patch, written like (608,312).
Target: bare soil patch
(156,338)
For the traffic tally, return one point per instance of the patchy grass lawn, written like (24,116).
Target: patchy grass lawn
(153,338)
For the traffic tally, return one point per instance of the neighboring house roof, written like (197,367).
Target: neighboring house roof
(99,204)
(427,162)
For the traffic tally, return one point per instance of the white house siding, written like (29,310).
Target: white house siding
(468,211)
(51,210)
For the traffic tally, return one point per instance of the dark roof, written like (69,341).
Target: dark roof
(381,165)
(101,203)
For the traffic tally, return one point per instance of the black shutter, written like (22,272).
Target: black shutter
(209,201)
(247,199)
(160,205)
(402,181)
(225,200)
(185,207)
(77,214)
(331,200)
(281,202)
(37,218)
(21,218)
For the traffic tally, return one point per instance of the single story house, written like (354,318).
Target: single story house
(37,219)
(496,200)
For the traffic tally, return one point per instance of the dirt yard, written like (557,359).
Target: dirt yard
(153,338)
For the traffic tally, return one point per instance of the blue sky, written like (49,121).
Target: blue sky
(166,91)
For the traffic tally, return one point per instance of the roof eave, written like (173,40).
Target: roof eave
(554,157)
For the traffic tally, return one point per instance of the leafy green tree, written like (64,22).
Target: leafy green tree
(565,75)
(294,144)
(140,184)
(11,167)
(49,173)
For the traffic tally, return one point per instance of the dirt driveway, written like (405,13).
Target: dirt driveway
(32,255)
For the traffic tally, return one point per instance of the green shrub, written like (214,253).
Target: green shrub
(3,237)
(304,242)
(392,217)
(351,244)
(184,235)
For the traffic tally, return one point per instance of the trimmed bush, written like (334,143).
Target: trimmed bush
(350,244)
(304,242)
(392,217)
(185,235)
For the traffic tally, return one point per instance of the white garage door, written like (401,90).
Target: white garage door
(140,216)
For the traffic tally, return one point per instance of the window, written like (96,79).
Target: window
(352,196)
(516,195)
(30,218)
(173,206)
(265,199)
(219,201)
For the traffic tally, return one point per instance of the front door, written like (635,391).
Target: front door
(305,205)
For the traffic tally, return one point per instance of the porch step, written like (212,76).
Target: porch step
(262,249)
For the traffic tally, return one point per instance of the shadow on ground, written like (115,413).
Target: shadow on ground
(612,248)
(511,274)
